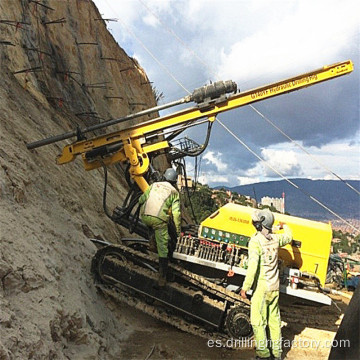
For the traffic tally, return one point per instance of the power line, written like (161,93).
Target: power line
(257,111)
(191,51)
(171,32)
(149,52)
(285,178)
(303,149)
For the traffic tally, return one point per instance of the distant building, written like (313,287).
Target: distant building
(181,182)
(277,203)
(251,201)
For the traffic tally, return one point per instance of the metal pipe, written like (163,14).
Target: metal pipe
(102,125)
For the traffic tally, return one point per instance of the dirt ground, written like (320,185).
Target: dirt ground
(49,305)
(307,330)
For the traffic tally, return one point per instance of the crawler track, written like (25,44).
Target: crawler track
(189,302)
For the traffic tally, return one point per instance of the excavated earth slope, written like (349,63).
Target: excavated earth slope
(61,68)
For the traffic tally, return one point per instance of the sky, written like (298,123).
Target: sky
(183,45)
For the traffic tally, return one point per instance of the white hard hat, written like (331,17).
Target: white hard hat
(170,175)
(265,217)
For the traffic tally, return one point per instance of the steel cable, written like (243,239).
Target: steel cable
(240,141)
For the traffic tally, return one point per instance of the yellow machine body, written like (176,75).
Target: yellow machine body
(309,251)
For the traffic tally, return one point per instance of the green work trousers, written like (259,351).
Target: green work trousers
(264,312)
(162,237)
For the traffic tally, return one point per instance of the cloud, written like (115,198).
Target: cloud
(254,43)
(284,162)
(213,179)
(244,180)
(285,43)
(150,20)
(341,157)
(215,159)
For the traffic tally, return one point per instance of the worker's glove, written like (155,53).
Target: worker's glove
(243,294)
(279,226)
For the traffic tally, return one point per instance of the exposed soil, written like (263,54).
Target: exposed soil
(49,306)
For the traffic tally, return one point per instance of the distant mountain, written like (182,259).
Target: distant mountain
(334,194)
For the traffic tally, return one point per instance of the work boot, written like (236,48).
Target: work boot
(163,268)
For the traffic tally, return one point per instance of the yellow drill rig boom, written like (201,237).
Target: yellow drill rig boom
(131,144)
(193,302)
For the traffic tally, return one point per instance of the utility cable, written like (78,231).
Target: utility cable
(192,52)
(247,147)
(303,149)
(105,192)
(285,178)
(187,191)
(149,52)
(171,32)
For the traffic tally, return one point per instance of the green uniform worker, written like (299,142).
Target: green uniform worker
(263,275)
(159,203)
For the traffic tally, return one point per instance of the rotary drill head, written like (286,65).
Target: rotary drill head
(213,91)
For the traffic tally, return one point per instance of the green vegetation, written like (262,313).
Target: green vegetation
(348,243)
(205,200)
(222,197)
(202,202)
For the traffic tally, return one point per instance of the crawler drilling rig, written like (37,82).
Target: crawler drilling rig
(195,300)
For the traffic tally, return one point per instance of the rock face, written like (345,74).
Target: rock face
(63,55)
(60,68)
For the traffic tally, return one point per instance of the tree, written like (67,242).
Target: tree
(202,202)
(343,245)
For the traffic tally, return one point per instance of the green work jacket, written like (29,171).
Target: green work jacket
(263,269)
